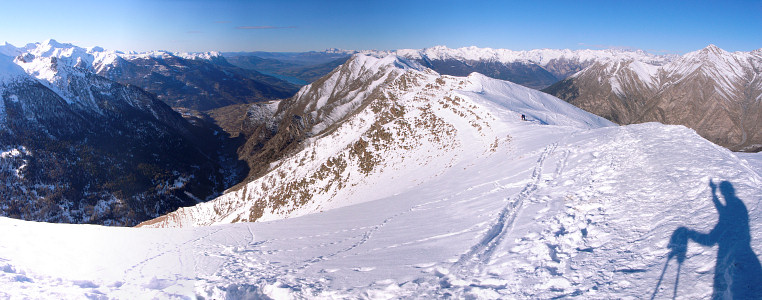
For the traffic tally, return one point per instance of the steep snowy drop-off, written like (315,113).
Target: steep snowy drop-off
(568,209)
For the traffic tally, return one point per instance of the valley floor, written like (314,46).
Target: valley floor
(557,212)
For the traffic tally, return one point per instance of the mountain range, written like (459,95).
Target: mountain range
(536,69)
(80,148)
(715,92)
(199,81)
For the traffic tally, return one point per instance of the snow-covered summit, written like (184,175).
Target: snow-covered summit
(718,64)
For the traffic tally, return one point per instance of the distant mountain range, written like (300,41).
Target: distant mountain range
(536,69)
(295,69)
(199,81)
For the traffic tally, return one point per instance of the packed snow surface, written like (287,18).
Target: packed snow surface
(559,211)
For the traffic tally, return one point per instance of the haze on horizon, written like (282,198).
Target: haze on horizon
(294,26)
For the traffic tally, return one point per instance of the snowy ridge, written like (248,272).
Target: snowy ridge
(431,186)
(341,89)
(200,55)
(9,50)
(543,108)
(410,115)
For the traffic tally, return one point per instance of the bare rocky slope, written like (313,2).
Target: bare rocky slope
(715,92)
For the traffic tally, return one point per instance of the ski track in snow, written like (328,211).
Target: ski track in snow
(480,254)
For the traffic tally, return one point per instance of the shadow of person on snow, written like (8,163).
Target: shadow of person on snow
(737,273)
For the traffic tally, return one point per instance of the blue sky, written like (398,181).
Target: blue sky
(238,25)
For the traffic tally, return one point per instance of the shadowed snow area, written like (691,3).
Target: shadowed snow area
(575,208)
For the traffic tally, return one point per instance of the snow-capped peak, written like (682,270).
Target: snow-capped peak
(377,62)
(715,62)
(708,53)
(713,48)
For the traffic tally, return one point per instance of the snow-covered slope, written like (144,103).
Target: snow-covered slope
(556,211)
(366,124)
(713,91)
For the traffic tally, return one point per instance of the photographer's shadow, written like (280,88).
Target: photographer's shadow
(737,273)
